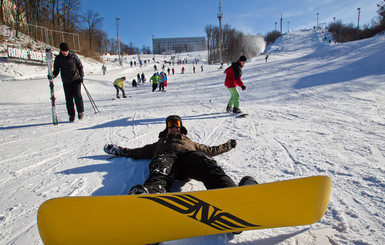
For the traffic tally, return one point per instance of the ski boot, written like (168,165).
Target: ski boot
(228,109)
(72,118)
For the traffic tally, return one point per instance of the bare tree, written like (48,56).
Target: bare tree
(93,25)
(1,11)
(69,14)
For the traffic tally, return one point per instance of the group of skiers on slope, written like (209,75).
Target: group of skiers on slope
(119,84)
(72,74)
(174,156)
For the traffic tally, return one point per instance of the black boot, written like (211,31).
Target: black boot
(138,190)
(236,110)
(247,180)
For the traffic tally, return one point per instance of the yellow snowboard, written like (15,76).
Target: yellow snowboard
(143,219)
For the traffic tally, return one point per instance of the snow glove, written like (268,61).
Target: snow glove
(233,143)
(113,150)
(243,87)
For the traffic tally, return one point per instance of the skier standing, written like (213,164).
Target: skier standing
(119,85)
(162,81)
(71,72)
(143,78)
(175,156)
(104,69)
(155,80)
(233,79)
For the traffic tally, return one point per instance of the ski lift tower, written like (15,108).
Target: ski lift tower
(220,15)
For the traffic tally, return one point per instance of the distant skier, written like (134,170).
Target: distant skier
(233,79)
(175,156)
(267,56)
(71,72)
(163,79)
(154,80)
(143,78)
(134,83)
(104,69)
(119,85)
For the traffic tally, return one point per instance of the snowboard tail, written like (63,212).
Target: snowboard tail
(143,219)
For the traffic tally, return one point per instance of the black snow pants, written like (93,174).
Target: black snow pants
(117,91)
(189,165)
(72,91)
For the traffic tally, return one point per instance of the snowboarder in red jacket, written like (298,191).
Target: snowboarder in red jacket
(233,79)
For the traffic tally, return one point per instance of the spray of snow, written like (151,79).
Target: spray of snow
(253,45)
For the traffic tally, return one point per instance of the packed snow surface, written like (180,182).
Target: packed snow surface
(316,108)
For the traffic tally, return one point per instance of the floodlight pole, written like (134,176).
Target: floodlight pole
(117,29)
(220,15)
(358,22)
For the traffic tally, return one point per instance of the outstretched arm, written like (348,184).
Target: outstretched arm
(145,152)
(216,150)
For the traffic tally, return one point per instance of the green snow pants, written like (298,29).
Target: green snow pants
(234,100)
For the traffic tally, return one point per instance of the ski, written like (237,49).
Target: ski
(49,58)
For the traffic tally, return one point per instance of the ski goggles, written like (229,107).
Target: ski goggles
(174,123)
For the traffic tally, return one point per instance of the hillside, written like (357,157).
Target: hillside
(316,108)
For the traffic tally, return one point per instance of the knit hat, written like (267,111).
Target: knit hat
(183,130)
(242,58)
(64,47)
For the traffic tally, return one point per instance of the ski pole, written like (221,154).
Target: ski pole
(91,100)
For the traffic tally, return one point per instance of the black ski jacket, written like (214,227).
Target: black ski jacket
(70,66)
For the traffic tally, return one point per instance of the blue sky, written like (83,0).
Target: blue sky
(140,20)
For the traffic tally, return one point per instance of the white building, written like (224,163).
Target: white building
(178,45)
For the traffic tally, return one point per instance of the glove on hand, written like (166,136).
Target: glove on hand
(243,87)
(112,149)
(233,143)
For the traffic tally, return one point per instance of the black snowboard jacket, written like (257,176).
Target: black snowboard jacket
(70,66)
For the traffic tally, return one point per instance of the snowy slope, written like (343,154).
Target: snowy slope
(315,109)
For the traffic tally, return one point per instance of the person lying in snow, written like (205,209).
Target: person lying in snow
(176,157)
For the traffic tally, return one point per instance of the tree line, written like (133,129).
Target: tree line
(349,32)
(66,16)
(235,43)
